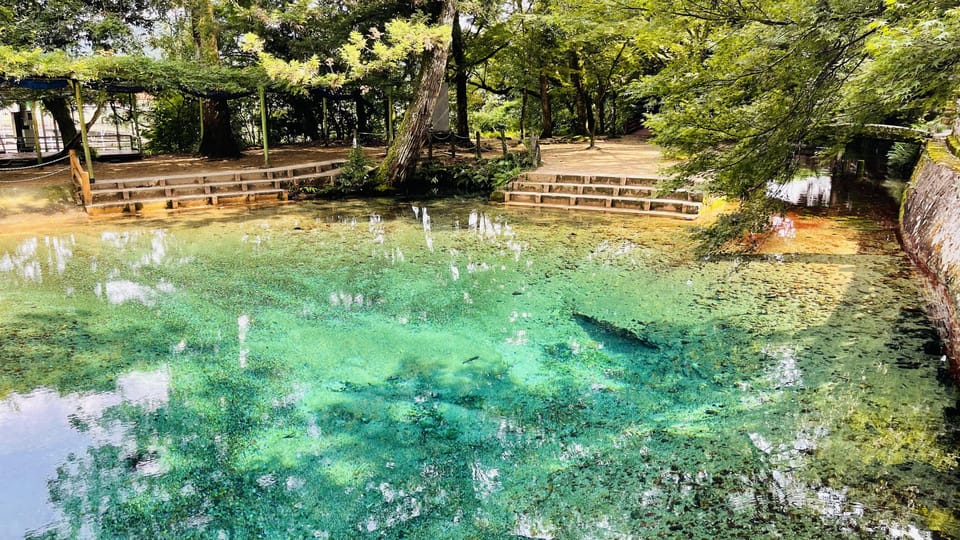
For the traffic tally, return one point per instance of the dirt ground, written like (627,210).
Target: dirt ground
(627,156)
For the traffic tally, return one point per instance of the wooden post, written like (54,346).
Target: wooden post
(34,109)
(535,149)
(80,177)
(323,122)
(453,144)
(56,137)
(861,168)
(83,132)
(479,155)
(136,121)
(503,141)
(116,126)
(263,125)
(43,128)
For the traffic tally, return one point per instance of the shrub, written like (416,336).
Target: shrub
(902,158)
(174,125)
(468,178)
(356,175)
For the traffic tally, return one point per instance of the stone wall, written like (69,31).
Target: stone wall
(930,225)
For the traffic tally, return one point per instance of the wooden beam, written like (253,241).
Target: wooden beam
(34,109)
(263,125)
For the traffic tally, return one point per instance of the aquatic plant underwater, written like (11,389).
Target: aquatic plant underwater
(341,370)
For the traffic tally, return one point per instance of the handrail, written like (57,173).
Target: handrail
(81,179)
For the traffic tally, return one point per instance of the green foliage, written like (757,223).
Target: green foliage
(360,56)
(132,70)
(496,112)
(174,125)
(356,175)
(79,25)
(749,85)
(472,178)
(901,159)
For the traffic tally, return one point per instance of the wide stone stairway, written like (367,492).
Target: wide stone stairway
(604,193)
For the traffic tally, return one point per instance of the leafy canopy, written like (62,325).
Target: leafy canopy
(138,71)
(750,85)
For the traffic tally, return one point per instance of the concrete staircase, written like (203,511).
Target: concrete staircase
(211,188)
(603,193)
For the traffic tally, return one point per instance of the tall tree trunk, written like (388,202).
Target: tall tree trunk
(602,115)
(218,139)
(523,114)
(304,110)
(401,160)
(60,110)
(591,121)
(580,96)
(363,114)
(460,77)
(546,111)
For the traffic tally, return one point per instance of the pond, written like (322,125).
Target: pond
(458,370)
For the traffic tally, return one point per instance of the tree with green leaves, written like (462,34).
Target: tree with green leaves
(365,54)
(750,86)
(77,27)
(218,139)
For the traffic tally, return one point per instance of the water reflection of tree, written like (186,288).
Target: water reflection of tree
(646,439)
(235,451)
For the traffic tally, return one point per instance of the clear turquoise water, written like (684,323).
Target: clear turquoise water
(349,371)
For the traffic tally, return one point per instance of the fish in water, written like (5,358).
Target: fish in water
(471,359)
(602,331)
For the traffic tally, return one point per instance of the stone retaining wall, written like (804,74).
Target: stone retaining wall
(930,225)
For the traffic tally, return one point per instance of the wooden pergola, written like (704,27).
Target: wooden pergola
(75,88)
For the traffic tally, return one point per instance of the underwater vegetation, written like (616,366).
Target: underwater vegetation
(344,370)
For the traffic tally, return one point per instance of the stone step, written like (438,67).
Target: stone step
(621,194)
(659,213)
(602,189)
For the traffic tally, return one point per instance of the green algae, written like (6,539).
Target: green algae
(350,371)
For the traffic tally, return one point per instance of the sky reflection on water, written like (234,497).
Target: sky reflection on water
(452,369)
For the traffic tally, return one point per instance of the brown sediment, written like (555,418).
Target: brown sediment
(814,234)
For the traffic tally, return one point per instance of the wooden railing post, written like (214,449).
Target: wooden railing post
(263,125)
(81,178)
(35,127)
